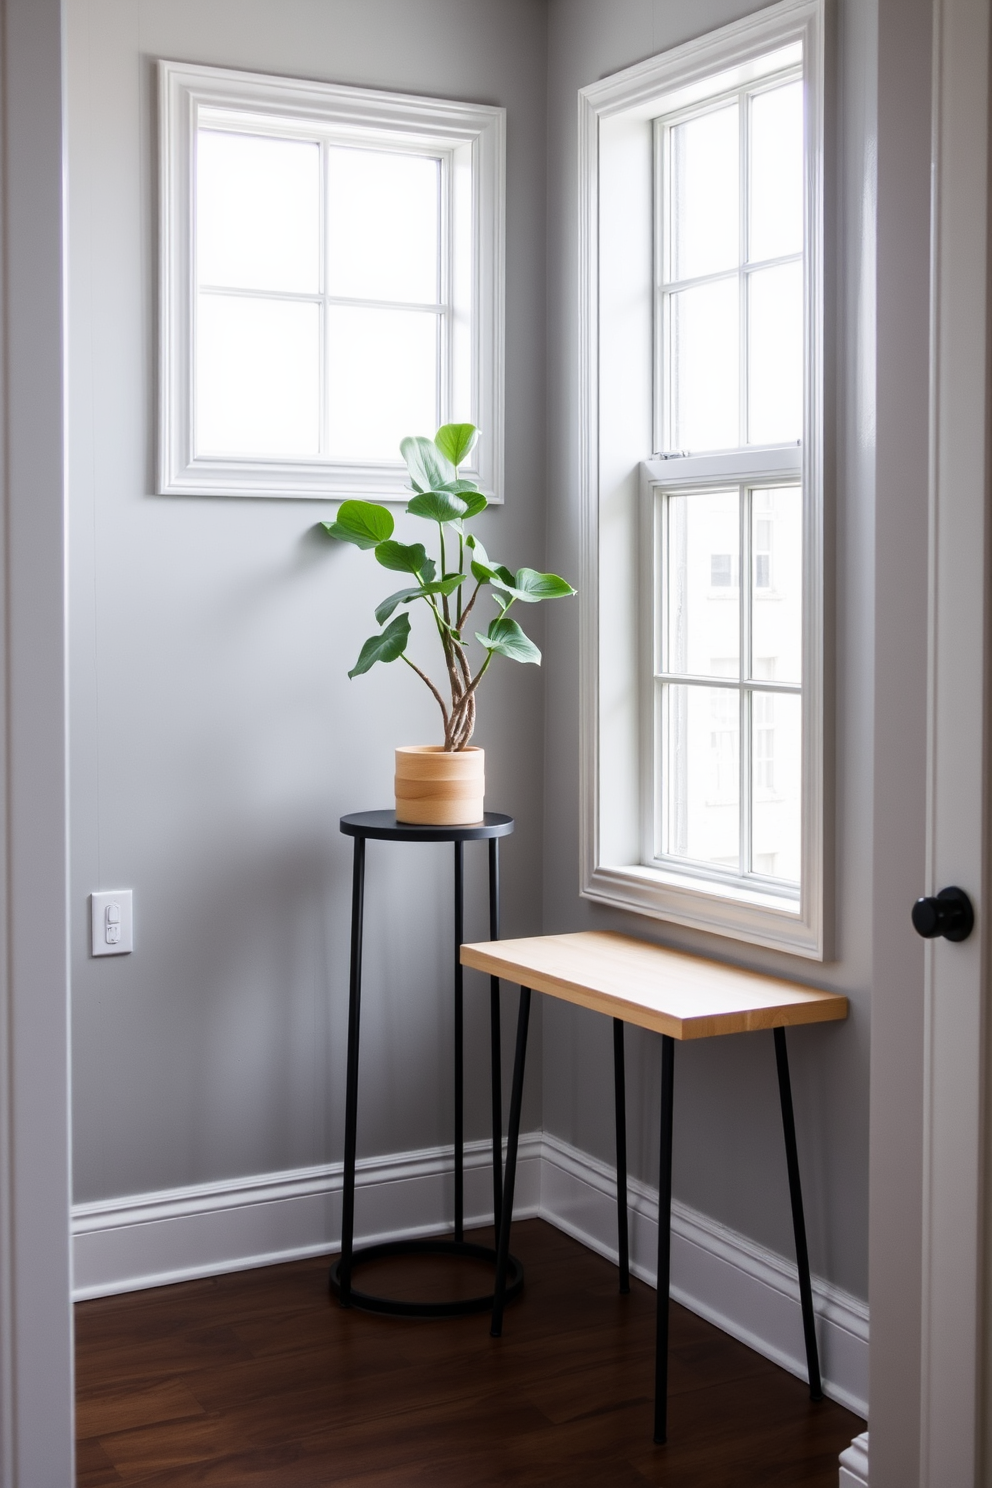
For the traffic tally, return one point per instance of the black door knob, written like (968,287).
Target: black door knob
(948,914)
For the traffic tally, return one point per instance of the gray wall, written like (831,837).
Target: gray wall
(728,1143)
(216,738)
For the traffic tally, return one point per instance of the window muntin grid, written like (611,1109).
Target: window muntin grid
(300,399)
(726,395)
(727,683)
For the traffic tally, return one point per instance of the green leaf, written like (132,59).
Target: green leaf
(505,636)
(385,647)
(427,466)
(475,503)
(447,585)
(437,506)
(402,557)
(530,586)
(483,567)
(361,522)
(455,441)
(535,586)
(386,608)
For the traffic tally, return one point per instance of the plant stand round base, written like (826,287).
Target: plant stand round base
(397,1307)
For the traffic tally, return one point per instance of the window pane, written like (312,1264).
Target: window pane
(383,226)
(705,169)
(382,380)
(701,768)
(257,212)
(776,754)
(776,173)
(703,584)
(705,377)
(257,376)
(777,591)
(775,355)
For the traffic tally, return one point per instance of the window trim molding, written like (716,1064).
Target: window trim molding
(184,88)
(639,94)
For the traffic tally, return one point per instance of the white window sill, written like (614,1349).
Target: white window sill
(758,916)
(297,480)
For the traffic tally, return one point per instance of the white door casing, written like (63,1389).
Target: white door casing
(950,1418)
(36,1435)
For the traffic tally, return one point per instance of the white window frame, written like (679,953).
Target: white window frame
(618,368)
(469,138)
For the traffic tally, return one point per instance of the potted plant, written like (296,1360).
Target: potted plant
(443,784)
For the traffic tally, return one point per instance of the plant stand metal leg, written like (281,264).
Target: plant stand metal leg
(620,1095)
(351,1088)
(495,1038)
(798,1218)
(664,1239)
(516,1100)
(459,1045)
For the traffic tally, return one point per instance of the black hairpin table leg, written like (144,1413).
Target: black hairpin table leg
(620,1097)
(798,1218)
(516,1101)
(664,1238)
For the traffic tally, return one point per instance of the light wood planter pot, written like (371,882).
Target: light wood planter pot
(439,789)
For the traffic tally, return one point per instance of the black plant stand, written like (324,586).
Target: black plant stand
(383,826)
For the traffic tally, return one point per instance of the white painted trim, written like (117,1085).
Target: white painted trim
(741,1287)
(854,1463)
(36,1383)
(952,1413)
(154,1239)
(614,124)
(685,74)
(475,131)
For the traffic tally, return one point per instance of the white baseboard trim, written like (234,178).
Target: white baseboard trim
(155,1239)
(854,1463)
(748,1291)
(149,1240)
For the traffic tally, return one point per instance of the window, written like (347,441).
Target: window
(740,649)
(331,280)
(703,343)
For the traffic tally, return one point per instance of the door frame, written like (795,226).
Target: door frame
(955,1032)
(36,1416)
(36,1402)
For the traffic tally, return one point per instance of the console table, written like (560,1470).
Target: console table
(680,997)
(382,826)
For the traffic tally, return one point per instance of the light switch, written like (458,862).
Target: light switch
(111,923)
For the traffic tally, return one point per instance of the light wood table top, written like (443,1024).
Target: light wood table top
(670,992)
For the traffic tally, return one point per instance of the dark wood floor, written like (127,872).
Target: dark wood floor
(258,1380)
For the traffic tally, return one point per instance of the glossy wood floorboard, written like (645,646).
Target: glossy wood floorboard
(259,1380)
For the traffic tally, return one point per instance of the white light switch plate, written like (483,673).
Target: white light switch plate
(111,931)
